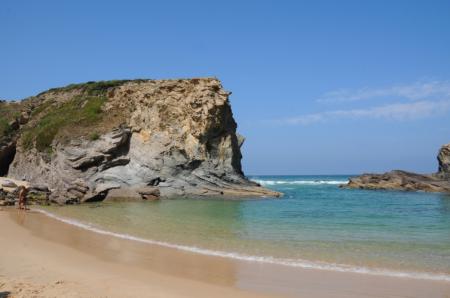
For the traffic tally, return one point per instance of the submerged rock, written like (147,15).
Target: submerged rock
(402,180)
(149,193)
(153,138)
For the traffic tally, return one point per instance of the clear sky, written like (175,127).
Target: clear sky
(319,87)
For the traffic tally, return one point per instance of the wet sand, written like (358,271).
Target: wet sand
(43,257)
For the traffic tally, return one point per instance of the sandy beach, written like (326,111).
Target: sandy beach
(43,257)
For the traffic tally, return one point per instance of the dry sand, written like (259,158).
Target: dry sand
(43,257)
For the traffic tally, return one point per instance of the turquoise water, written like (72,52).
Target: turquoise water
(315,224)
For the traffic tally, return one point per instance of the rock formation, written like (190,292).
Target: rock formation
(9,190)
(401,180)
(444,162)
(136,139)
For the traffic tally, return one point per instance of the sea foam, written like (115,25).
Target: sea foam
(300,182)
(259,259)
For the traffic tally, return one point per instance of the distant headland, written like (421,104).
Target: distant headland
(402,180)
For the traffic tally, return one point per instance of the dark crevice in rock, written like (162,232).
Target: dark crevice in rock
(191,165)
(97,198)
(7,153)
(155,181)
(237,156)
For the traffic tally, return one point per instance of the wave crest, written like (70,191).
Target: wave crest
(300,182)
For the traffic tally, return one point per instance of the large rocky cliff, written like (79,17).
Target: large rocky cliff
(402,180)
(140,138)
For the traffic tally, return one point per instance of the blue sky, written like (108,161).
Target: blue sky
(319,87)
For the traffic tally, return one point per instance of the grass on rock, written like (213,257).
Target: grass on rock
(81,111)
(79,114)
(94,136)
(8,112)
(92,88)
(5,129)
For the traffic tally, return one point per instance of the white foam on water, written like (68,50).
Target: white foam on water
(300,182)
(259,259)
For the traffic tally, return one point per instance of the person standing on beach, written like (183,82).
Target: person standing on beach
(23,191)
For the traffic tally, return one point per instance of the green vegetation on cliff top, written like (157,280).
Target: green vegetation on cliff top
(92,88)
(80,111)
(51,118)
(8,112)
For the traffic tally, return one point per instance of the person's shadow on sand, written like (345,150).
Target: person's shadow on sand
(5,294)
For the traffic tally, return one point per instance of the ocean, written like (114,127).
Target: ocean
(315,224)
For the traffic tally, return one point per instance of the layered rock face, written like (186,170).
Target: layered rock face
(401,180)
(156,138)
(444,162)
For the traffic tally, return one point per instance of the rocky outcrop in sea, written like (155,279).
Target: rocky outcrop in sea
(139,139)
(402,180)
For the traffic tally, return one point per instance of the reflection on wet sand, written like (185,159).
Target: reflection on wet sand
(253,277)
(160,259)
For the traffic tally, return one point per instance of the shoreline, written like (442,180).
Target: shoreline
(303,264)
(33,241)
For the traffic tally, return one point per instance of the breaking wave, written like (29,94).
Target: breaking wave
(300,182)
